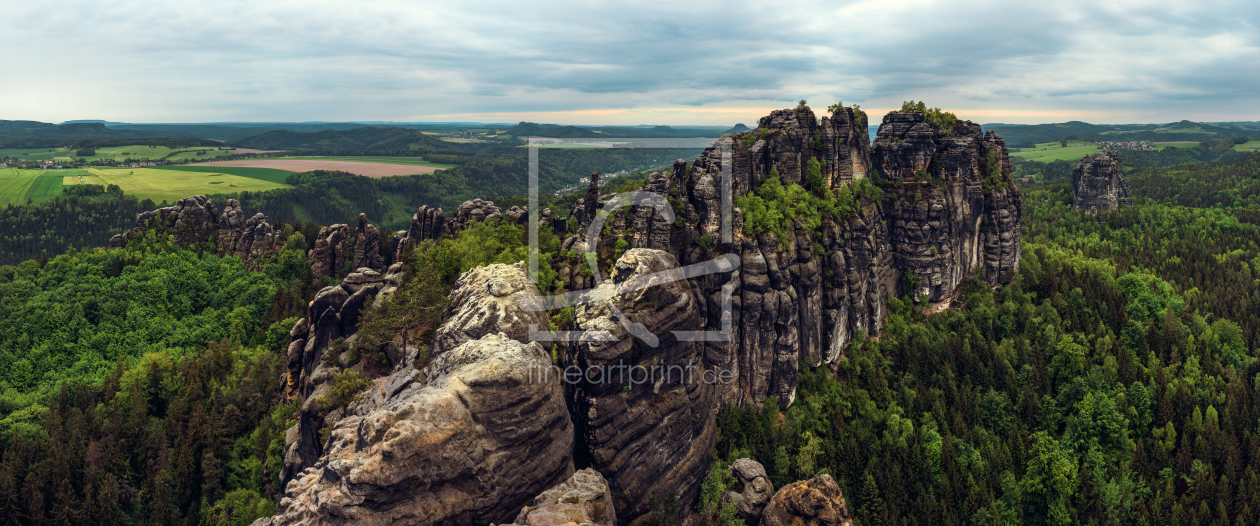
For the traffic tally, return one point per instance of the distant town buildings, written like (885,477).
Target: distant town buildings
(1125,145)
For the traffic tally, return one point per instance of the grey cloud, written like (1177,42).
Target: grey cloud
(301,60)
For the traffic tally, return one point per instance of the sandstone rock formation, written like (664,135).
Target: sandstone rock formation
(487,300)
(1097,184)
(195,220)
(192,220)
(331,251)
(814,502)
(334,313)
(367,245)
(632,387)
(752,490)
(426,223)
(249,239)
(471,439)
(583,499)
(470,212)
(950,206)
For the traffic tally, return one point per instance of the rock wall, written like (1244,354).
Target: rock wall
(1098,185)
(643,411)
(948,209)
(470,439)
(249,239)
(195,220)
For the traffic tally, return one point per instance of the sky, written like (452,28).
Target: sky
(626,62)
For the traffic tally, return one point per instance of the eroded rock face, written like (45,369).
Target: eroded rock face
(331,252)
(950,209)
(752,490)
(1097,185)
(333,314)
(192,220)
(471,439)
(250,239)
(814,502)
(426,223)
(583,499)
(474,211)
(488,299)
(473,445)
(632,388)
(367,245)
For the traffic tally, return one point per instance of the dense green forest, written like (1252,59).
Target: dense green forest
(1225,184)
(1113,382)
(158,400)
(86,219)
(1055,172)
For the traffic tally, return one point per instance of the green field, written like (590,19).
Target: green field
(264,174)
(1054,151)
(16,186)
(34,154)
(153,153)
(410,161)
(171,185)
(1248,146)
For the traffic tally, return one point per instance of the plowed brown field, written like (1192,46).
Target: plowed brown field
(305,165)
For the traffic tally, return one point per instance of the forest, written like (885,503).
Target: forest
(1114,381)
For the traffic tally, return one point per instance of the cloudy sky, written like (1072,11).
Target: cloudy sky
(626,62)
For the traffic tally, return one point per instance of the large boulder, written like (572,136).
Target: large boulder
(584,499)
(752,490)
(471,439)
(645,404)
(472,445)
(1098,185)
(814,502)
(488,299)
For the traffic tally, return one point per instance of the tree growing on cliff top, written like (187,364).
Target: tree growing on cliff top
(944,120)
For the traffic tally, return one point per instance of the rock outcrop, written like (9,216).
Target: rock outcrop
(249,239)
(1097,184)
(814,502)
(367,246)
(644,410)
(583,499)
(333,314)
(471,439)
(332,251)
(192,220)
(950,204)
(474,211)
(752,490)
(426,223)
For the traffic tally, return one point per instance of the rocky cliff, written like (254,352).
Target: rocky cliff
(948,209)
(1098,185)
(470,439)
(195,219)
(930,207)
(645,404)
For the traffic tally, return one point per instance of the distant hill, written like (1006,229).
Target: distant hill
(737,129)
(529,129)
(1030,134)
(359,139)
